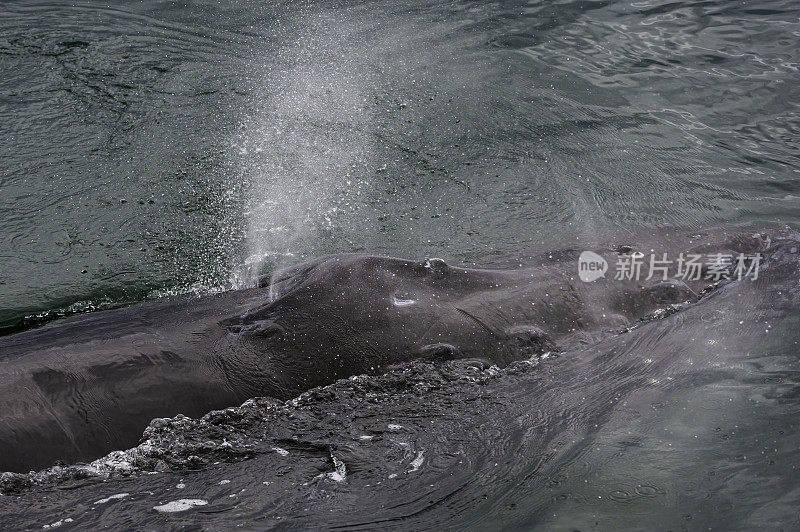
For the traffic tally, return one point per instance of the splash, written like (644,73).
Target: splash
(305,149)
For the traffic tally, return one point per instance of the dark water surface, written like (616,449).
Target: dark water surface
(154,148)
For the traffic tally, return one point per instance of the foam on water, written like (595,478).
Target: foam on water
(58,523)
(112,497)
(416,463)
(181,505)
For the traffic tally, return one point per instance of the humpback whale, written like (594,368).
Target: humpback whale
(80,387)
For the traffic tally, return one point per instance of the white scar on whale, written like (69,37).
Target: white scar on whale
(401,302)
